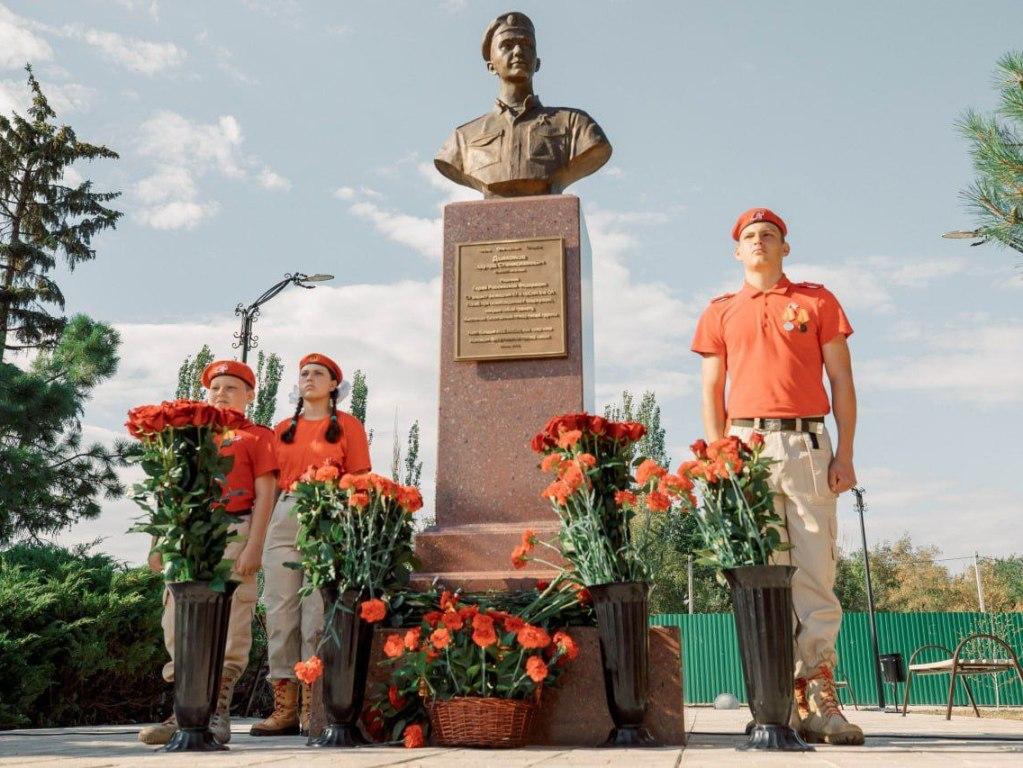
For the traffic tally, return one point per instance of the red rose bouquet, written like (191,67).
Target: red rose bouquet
(355,532)
(462,654)
(610,520)
(735,517)
(182,493)
(470,650)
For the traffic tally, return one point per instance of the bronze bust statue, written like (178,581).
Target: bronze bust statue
(521,147)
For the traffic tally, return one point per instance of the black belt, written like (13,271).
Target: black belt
(809,424)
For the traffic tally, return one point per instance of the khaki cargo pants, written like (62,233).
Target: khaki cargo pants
(293,626)
(809,508)
(239,625)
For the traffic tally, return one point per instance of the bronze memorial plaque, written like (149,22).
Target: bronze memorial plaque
(510,301)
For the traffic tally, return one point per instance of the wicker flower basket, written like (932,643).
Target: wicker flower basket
(471,721)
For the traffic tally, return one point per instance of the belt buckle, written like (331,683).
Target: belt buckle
(772,424)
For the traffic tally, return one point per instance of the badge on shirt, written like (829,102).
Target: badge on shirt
(795,317)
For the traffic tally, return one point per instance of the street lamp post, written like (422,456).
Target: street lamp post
(246,339)
(870,603)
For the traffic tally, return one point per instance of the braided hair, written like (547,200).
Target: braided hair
(333,431)
(288,436)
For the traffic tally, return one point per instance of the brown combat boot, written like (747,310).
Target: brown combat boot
(800,705)
(283,721)
(220,723)
(160,733)
(824,721)
(307,701)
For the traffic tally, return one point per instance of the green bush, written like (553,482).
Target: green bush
(80,639)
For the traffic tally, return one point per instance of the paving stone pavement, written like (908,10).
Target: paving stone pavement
(916,740)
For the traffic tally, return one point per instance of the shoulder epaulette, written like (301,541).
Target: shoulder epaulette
(722,297)
(809,285)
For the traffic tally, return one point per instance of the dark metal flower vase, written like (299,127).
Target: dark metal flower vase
(200,634)
(762,603)
(624,631)
(345,667)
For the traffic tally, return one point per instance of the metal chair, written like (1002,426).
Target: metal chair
(958,667)
(840,684)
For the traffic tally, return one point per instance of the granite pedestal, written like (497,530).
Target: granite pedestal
(488,482)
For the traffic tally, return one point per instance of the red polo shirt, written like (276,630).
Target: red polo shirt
(310,447)
(771,342)
(253,449)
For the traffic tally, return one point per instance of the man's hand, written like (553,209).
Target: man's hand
(249,561)
(841,475)
(155,562)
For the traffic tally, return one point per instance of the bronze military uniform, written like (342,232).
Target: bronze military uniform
(530,150)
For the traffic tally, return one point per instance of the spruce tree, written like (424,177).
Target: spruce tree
(49,478)
(42,220)
(996,148)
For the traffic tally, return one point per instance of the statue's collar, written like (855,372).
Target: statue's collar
(532,102)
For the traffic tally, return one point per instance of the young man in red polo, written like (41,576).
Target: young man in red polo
(249,493)
(771,341)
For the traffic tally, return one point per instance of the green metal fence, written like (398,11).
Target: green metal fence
(710,654)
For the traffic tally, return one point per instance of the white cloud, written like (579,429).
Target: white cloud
(937,510)
(224,59)
(859,286)
(170,137)
(972,360)
(177,214)
(287,11)
(421,234)
(169,199)
(181,152)
(152,7)
(19,45)
(143,56)
(637,324)
(64,98)
(271,180)
(71,177)
(424,235)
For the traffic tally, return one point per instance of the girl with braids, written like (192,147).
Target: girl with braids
(316,432)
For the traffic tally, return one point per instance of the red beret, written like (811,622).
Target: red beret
(228,368)
(753,215)
(323,360)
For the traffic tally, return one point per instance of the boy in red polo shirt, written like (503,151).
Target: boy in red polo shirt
(771,341)
(249,493)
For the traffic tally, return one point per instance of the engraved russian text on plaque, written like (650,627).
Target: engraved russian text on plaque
(510,299)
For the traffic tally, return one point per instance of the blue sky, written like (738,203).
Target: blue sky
(259,138)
